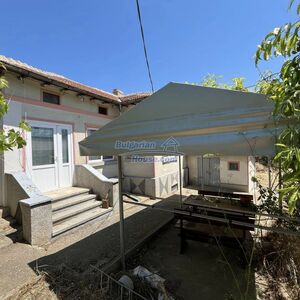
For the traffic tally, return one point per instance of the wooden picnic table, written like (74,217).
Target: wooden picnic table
(213,191)
(219,204)
(201,215)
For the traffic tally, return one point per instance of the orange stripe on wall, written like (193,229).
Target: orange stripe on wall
(57,107)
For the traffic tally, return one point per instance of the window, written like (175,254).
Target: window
(107,157)
(233,166)
(97,157)
(90,131)
(102,110)
(65,145)
(51,98)
(42,146)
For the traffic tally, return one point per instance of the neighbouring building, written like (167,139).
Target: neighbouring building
(38,182)
(223,172)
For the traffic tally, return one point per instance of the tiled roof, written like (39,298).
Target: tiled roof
(134,98)
(55,79)
(9,63)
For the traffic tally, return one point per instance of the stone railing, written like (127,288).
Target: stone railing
(88,177)
(30,207)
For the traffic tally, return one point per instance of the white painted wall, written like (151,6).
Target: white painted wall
(234,177)
(2,198)
(241,180)
(161,168)
(13,159)
(107,168)
(138,168)
(31,90)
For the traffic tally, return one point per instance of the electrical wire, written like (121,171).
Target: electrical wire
(144,44)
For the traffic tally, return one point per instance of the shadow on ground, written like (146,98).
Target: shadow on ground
(199,273)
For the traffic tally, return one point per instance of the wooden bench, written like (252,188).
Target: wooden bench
(210,218)
(244,197)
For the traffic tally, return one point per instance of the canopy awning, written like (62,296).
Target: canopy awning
(192,120)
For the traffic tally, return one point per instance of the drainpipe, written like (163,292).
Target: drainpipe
(120,107)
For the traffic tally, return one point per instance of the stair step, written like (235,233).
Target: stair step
(7,225)
(73,211)
(72,201)
(79,219)
(64,193)
(7,221)
(4,241)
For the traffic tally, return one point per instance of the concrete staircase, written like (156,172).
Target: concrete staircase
(10,231)
(72,207)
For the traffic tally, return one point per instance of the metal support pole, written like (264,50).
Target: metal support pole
(180,180)
(280,181)
(121,213)
(269,172)
(202,173)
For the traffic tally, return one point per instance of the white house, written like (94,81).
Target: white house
(49,180)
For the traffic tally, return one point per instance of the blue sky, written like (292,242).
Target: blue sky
(97,42)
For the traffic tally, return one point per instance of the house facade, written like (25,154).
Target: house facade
(61,113)
(59,118)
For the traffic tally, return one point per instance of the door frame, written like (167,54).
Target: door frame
(50,124)
(61,164)
(200,168)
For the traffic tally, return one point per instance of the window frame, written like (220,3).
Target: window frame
(101,159)
(233,162)
(41,166)
(106,114)
(51,93)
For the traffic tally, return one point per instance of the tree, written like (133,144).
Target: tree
(284,91)
(11,138)
(211,80)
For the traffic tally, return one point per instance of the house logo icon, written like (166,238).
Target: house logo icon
(170,144)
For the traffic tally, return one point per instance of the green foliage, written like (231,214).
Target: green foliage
(211,80)
(285,92)
(268,199)
(11,138)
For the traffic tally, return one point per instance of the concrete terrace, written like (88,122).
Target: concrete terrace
(96,243)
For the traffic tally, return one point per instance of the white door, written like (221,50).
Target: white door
(209,172)
(49,155)
(64,164)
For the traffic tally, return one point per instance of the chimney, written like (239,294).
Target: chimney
(118,93)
